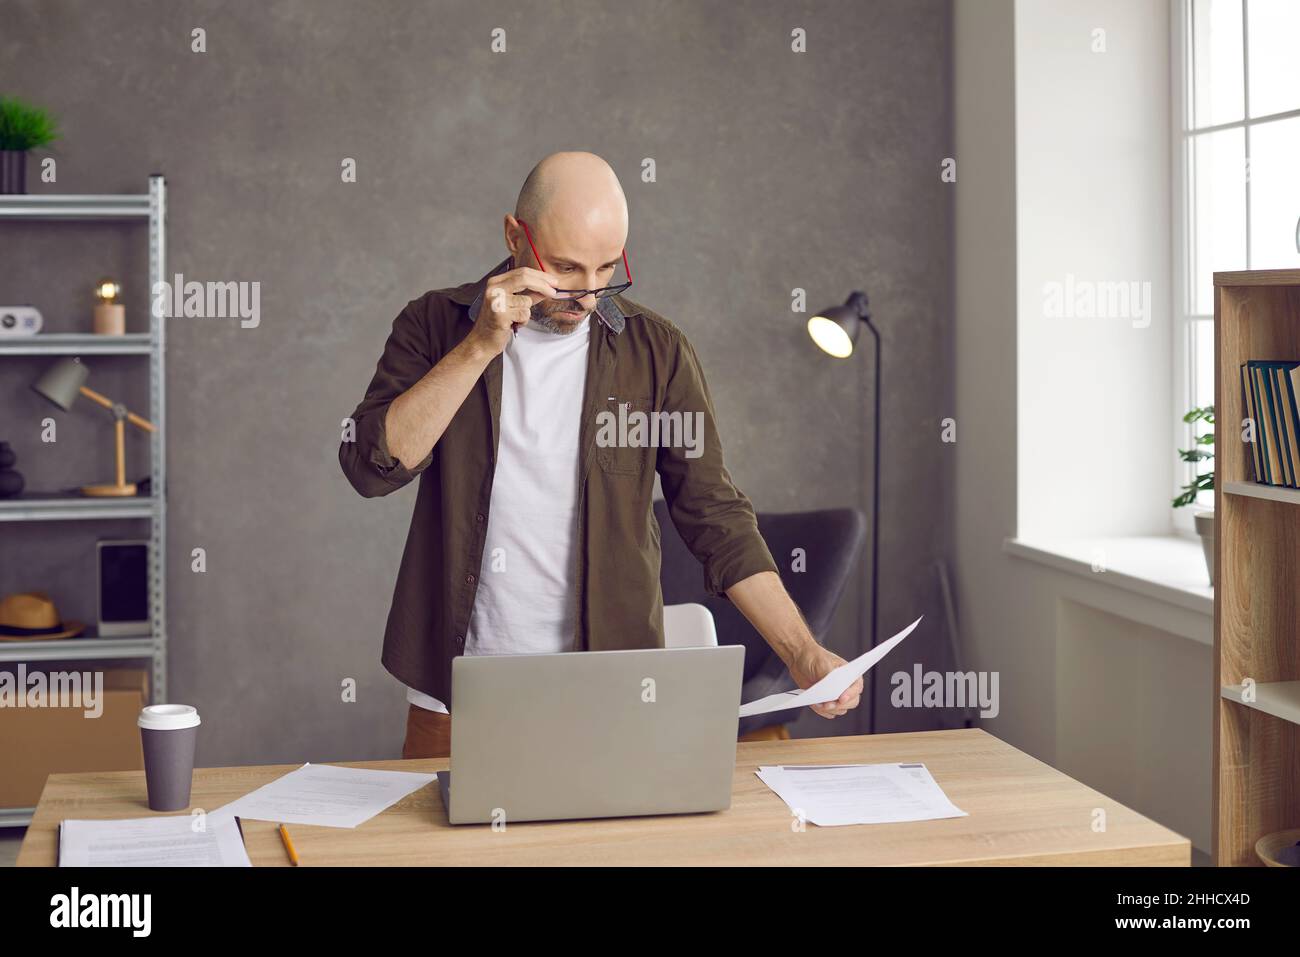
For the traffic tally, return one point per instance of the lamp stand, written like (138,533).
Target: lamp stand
(121,487)
(875,517)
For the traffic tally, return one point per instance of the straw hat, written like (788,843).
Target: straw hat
(31,616)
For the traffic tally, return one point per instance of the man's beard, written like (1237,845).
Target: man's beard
(539,318)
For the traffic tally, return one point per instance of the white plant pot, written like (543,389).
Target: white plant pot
(1205,528)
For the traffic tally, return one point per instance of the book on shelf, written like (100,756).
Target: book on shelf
(1271,396)
(1286,415)
(1281,474)
(1252,413)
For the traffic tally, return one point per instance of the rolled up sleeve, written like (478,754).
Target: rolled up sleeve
(713,517)
(366,460)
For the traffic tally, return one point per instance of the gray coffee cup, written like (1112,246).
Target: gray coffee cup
(168,733)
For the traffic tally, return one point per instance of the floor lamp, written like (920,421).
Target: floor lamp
(61,384)
(836,331)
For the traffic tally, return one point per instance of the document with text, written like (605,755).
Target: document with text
(174,841)
(325,795)
(832,795)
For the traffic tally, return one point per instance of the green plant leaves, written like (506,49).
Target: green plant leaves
(24,127)
(1204,482)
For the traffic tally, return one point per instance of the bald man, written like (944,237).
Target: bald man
(533,529)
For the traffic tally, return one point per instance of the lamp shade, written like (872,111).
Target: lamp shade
(61,383)
(835,330)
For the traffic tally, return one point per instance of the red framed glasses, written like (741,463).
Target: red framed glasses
(579,293)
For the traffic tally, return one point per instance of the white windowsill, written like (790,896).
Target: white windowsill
(1169,568)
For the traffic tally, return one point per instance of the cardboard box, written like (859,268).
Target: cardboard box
(36,742)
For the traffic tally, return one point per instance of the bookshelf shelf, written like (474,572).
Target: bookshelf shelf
(61,206)
(77,344)
(1281,699)
(77,649)
(1256,748)
(1273,493)
(54,507)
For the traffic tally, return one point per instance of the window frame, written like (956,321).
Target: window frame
(1182,329)
(1185,131)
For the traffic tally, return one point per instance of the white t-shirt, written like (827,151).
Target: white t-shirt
(526,602)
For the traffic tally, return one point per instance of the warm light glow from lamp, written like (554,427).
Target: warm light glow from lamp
(830,337)
(835,330)
(110,315)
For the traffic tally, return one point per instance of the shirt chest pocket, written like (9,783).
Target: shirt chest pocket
(624,432)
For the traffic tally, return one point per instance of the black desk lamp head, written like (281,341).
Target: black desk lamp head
(836,330)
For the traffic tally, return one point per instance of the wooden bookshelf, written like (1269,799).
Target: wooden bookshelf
(1257,541)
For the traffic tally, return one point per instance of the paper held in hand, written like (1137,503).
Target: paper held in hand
(831,686)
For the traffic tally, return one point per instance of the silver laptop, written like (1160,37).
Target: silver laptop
(592,734)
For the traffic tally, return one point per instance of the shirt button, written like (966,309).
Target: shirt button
(480,517)
(460,641)
(469,579)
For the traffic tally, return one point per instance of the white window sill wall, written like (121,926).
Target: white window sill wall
(1157,580)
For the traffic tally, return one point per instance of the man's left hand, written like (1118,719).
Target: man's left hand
(813,663)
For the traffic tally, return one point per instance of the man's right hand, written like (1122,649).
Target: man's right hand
(508,301)
(416,419)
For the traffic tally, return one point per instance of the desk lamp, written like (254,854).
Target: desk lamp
(835,331)
(61,384)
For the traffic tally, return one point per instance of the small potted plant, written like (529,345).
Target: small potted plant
(22,128)
(1202,482)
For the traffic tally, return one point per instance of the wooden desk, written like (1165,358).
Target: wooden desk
(1021,811)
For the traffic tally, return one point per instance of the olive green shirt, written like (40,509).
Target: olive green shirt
(636,359)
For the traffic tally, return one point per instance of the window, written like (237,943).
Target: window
(1239,156)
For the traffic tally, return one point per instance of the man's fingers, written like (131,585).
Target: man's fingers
(508,311)
(525,281)
(511,303)
(840,706)
(502,300)
(850,697)
(524,273)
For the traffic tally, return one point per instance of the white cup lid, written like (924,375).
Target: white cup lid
(168,717)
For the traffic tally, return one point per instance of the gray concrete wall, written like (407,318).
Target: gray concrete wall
(775,170)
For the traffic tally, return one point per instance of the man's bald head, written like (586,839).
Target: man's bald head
(576,213)
(578,188)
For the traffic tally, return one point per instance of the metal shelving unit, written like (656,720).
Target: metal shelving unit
(77,649)
(63,344)
(150,207)
(59,508)
(16,816)
(51,206)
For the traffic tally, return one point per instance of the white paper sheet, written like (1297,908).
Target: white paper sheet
(834,795)
(832,685)
(151,842)
(325,795)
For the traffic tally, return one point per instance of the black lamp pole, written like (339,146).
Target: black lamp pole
(875,520)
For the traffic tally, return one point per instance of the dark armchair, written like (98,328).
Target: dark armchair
(831,539)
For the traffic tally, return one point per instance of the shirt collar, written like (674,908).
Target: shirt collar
(607,309)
